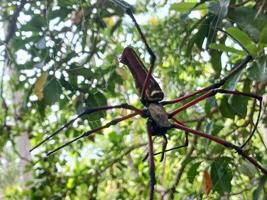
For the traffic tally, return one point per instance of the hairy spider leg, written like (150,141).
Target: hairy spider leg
(128,10)
(224,143)
(112,122)
(87,112)
(223,91)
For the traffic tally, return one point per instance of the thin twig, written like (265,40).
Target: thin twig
(17,152)
(240,192)
(119,158)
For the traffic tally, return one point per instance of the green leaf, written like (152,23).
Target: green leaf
(231,84)
(199,38)
(216,62)
(263,38)
(70,183)
(78,70)
(221,175)
(186,6)
(210,105)
(66,84)
(115,138)
(38,21)
(223,48)
(62,13)
(66,3)
(257,71)
(248,169)
(244,39)
(249,20)
(92,100)
(52,90)
(219,9)
(257,193)
(239,105)
(192,172)
(201,35)
(226,109)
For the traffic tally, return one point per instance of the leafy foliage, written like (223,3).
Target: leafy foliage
(60,57)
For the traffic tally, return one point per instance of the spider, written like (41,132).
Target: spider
(151,96)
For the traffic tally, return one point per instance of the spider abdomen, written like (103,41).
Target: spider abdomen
(153,92)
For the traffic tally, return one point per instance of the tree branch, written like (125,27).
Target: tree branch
(12,27)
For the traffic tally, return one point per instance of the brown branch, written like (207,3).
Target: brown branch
(17,152)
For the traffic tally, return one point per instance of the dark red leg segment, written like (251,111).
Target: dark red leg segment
(87,112)
(238,68)
(113,122)
(214,92)
(224,143)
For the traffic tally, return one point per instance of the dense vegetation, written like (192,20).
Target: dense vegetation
(60,57)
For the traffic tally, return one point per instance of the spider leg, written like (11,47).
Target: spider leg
(221,82)
(164,146)
(112,122)
(128,10)
(224,143)
(87,112)
(171,149)
(146,156)
(213,93)
(151,164)
(223,91)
